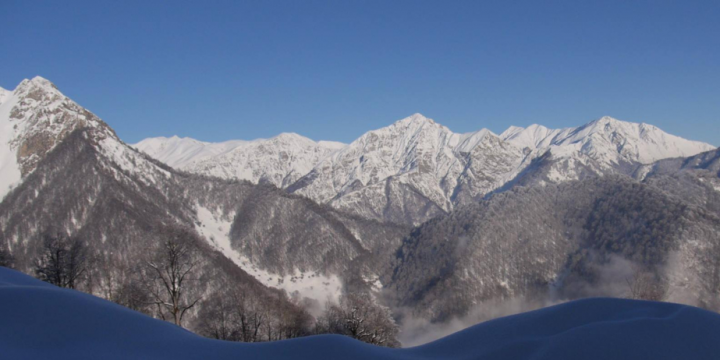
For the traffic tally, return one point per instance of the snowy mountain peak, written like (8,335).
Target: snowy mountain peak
(414,121)
(291,137)
(416,117)
(606,140)
(41,81)
(607,119)
(393,172)
(36,87)
(34,119)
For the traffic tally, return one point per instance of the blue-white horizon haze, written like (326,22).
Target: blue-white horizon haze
(332,70)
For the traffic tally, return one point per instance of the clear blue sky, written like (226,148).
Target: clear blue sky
(218,70)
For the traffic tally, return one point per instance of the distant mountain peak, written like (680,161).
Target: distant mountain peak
(36,86)
(291,136)
(42,81)
(607,119)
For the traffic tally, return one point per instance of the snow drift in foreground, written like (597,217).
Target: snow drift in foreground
(40,321)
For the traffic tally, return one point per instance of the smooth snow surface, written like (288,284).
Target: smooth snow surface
(40,321)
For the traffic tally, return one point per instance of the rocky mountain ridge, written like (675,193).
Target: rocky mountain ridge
(416,169)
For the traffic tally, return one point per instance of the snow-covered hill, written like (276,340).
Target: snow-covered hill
(416,169)
(40,321)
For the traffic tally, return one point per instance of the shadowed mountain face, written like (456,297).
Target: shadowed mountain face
(695,180)
(559,242)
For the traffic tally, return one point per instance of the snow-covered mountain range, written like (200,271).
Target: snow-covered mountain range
(416,168)
(341,223)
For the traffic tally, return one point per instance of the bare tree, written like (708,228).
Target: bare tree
(169,275)
(241,315)
(63,261)
(217,319)
(251,316)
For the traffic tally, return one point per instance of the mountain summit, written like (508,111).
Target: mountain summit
(34,118)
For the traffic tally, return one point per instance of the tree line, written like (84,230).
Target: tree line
(160,286)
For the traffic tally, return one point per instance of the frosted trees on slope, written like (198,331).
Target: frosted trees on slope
(359,317)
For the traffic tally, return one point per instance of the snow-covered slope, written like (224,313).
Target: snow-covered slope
(280,160)
(42,322)
(178,152)
(4,95)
